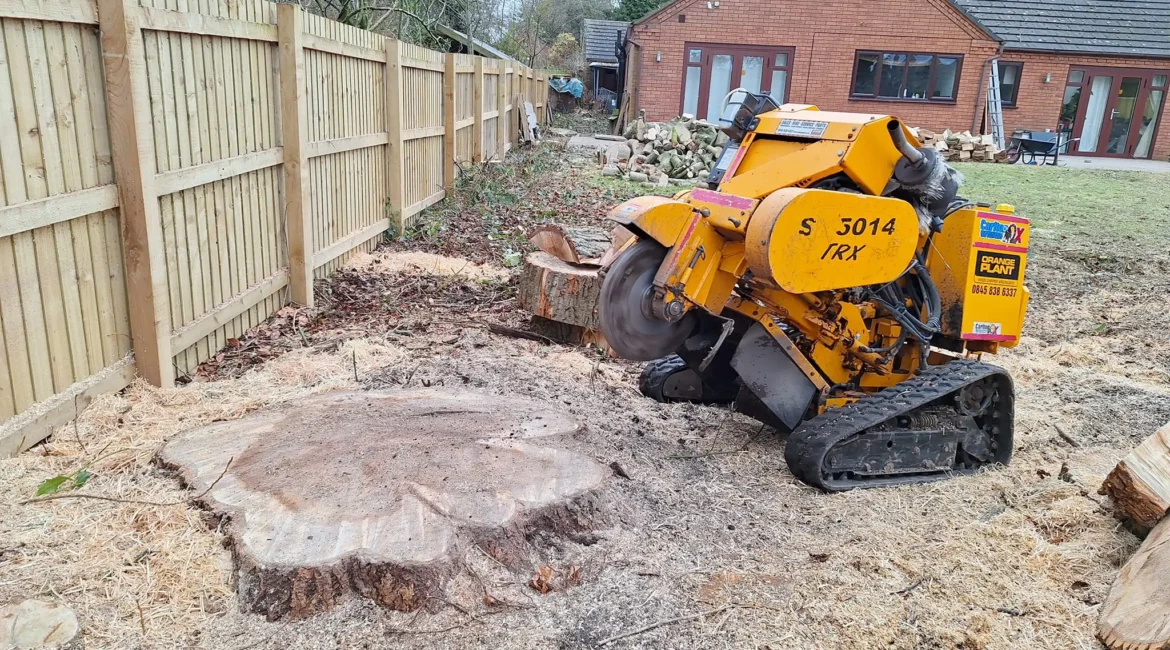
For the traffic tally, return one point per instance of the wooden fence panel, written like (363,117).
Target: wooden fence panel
(197,110)
(464,107)
(422,128)
(490,107)
(347,141)
(63,310)
(214,105)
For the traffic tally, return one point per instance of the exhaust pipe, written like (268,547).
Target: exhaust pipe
(911,154)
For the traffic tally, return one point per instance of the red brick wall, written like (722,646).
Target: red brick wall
(1038,104)
(826,35)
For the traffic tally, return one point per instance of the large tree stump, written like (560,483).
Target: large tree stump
(559,291)
(573,244)
(1140,484)
(1136,614)
(376,493)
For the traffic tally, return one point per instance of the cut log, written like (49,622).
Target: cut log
(380,493)
(1140,484)
(556,290)
(1136,614)
(573,244)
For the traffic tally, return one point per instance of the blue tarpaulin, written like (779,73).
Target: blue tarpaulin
(572,86)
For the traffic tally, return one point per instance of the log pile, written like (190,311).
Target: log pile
(961,147)
(1136,614)
(679,152)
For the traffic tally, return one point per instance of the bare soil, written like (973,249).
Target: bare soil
(710,538)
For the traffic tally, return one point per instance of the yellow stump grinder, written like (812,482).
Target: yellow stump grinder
(831,283)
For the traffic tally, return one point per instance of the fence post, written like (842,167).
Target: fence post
(395,155)
(502,108)
(477,103)
(448,121)
(294,125)
(132,149)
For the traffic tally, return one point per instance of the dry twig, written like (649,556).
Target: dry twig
(99,497)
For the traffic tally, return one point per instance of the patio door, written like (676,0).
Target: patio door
(712,70)
(1117,110)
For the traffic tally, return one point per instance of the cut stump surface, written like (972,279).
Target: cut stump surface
(375,492)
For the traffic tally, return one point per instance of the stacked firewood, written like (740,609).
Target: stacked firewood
(961,147)
(679,152)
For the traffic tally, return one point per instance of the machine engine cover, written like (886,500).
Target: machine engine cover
(819,240)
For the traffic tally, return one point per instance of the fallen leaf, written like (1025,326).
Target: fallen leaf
(51,485)
(542,580)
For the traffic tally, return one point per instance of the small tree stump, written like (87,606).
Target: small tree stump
(559,291)
(1136,614)
(374,493)
(1140,484)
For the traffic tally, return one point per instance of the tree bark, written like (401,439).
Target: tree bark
(1140,484)
(556,290)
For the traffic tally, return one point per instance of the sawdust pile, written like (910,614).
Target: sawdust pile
(137,573)
(709,521)
(420,263)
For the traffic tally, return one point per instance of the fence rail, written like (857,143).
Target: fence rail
(255,148)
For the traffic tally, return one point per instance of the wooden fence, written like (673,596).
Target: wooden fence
(254,147)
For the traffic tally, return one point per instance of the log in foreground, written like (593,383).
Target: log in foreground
(1136,614)
(559,291)
(1140,484)
(378,493)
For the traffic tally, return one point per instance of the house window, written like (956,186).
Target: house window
(1010,74)
(906,76)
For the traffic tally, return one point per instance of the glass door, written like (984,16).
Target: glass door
(1120,115)
(1148,120)
(713,70)
(1094,117)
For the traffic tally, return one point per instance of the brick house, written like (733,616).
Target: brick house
(1096,69)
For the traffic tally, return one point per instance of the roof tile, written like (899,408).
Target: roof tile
(1129,27)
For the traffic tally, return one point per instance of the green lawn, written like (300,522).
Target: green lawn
(1082,207)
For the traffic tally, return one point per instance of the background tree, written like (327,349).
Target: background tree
(632,10)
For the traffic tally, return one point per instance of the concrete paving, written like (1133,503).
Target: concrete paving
(589,143)
(1113,164)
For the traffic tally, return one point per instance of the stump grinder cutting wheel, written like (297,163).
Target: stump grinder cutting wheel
(829,282)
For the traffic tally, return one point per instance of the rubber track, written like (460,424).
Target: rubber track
(808,446)
(655,373)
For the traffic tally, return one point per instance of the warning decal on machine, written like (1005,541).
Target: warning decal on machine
(802,128)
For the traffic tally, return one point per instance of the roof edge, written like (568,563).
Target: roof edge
(1123,55)
(975,21)
(663,8)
